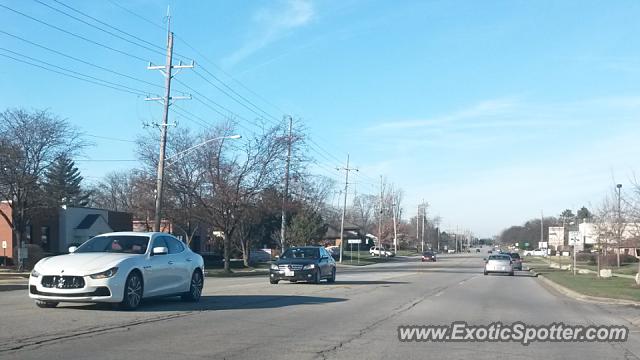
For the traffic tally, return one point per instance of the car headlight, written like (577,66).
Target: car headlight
(105,274)
(274,267)
(309,267)
(34,273)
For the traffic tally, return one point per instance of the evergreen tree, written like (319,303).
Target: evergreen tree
(62,184)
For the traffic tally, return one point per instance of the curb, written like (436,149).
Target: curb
(585,298)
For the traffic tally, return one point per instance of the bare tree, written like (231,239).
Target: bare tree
(30,142)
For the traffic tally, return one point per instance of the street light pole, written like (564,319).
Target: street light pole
(175,158)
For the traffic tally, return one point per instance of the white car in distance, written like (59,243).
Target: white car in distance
(120,268)
(375,251)
(501,263)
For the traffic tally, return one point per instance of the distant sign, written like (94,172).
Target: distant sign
(4,244)
(354,241)
(574,237)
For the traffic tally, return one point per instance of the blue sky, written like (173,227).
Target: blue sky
(489,110)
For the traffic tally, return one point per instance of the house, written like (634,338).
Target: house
(332,236)
(54,229)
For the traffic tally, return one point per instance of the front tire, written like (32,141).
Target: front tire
(46,304)
(316,278)
(511,273)
(332,278)
(273,282)
(195,288)
(486,273)
(133,289)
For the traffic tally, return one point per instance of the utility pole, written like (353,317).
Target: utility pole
(395,230)
(344,205)
(283,224)
(418,228)
(166,100)
(380,221)
(619,232)
(424,215)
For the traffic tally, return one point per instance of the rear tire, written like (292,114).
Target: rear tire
(511,273)
(133,290)
(486,273)
(332,279)
(46,304)
(273,282)
(195,287)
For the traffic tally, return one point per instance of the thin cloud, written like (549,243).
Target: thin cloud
(482,109)
(271,24)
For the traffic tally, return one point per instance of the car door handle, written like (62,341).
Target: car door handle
(189,260)
(147,267)
(170,262)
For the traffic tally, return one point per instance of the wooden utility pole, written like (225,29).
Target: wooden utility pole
(283,224)
(344,205)
(166,100)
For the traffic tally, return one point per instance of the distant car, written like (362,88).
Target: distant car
(499,264)
(477,250)
(450,251)
(517,261)
(428,256)
(119,267)
(375,251)
(306,263)
(490,251)
(536,252)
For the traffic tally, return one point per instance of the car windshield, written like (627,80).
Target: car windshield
(500,257)
(515,256)
(301,253)
(131,244)
(427,253)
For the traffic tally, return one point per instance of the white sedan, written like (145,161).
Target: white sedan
(120,267)
(501,263)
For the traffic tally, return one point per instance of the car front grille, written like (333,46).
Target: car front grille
(100,291)
(291,266)
(63,282)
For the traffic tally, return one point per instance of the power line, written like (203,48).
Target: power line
(137,91)
(109,25)
(110,138)
(69,75)
(81,60)
(97,27)
(74,34)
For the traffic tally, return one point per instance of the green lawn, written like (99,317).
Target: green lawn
(626,269)
(365,258)
(589,284)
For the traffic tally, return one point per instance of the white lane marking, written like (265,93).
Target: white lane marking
(440,293)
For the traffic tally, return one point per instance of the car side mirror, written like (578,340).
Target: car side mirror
(324,258)
(277,257)
(160,250)
(72,249)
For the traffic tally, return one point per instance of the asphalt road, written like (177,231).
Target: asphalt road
(355,318)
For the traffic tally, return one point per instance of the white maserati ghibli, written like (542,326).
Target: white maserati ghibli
(121,268)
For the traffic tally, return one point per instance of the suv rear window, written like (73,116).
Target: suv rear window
(515,256)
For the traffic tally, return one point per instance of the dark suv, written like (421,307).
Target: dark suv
(306,263)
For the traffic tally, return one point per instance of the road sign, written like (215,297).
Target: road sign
(574,237)
(4,244)
(354,241)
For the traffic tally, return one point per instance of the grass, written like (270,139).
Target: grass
(590,284)
(365,258)
(625,269)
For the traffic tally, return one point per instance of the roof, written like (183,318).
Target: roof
(88,221)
